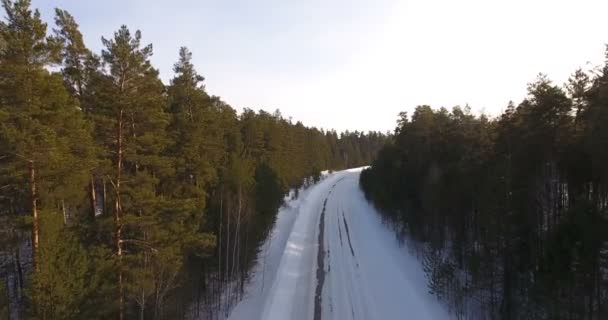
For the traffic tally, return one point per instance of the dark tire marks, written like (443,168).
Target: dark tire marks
(352,251)
(340,234)
(321,260)
(320,264)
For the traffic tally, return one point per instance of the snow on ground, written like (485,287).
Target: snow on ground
(365,273)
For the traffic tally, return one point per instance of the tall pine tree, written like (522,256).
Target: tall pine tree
(49,147)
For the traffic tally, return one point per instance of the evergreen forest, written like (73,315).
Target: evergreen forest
(509,214)
(123,197)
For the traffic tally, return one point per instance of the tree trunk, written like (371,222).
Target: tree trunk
(8,299)
(93,199)
(506,302)
(134,136)
(142,306)
(237,239)
(226,275)
(19,270)
(35,222)
(244,258)
(63,211)
(105,198)
(219,259)
(118,215)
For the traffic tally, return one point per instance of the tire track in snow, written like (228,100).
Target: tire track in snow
(321,259)
(352,251)
(383,281)
(320,264)
(340,234)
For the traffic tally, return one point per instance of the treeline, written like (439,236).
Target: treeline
(122,197)
(509,214)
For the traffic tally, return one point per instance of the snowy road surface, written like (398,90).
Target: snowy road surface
(330,257)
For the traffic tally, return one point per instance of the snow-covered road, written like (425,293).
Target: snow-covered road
(330,257)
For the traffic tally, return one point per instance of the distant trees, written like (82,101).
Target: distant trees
(123,197)
(510,214)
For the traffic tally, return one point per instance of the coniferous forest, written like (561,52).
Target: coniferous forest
(125,197)
(509,215)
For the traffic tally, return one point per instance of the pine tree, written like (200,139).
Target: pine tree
(198,146)
(131,116)
(78,62)
(49,149)
(79,66)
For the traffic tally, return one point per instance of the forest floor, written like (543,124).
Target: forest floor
(331,257)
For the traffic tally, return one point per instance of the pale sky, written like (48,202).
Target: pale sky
(356,64)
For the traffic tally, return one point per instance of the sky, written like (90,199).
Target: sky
(355,64)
